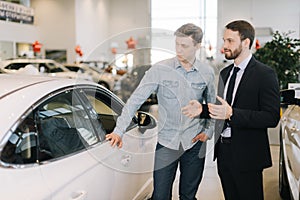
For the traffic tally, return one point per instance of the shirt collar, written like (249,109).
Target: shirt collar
(244,63)
(178,65)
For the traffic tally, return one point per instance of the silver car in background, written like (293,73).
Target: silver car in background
(289,161)
(97,75)
(33,66)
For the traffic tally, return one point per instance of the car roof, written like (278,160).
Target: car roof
(11,83)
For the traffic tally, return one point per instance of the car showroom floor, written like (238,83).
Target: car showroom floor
(210,187)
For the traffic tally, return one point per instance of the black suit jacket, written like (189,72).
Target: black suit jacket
(256,108)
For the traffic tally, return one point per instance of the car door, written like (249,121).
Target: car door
(132,165)
(291,141)
(20,173)
(80,163)
(65,135)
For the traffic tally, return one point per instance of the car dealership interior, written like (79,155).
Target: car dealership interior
(112,43)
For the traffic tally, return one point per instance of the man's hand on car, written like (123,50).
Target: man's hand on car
(114,139)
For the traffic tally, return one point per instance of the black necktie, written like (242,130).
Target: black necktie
(230,91)
(231,85)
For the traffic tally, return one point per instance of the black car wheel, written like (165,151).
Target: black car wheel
(283,181)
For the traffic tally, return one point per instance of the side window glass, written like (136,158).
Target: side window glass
(64,126)
(21,148)
(103,108)
(43,68)
(106,107)
(58,127)
(16,66)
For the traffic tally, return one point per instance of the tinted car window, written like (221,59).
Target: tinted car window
(21,147)
(107,108)
(63,127)
(53,68)
(73,68)
(16,66)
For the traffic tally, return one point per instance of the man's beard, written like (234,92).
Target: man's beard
(234,54)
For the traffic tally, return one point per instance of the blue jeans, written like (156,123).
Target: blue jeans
(191,170)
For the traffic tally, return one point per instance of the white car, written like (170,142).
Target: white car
(42,67)
(289,135)
(101,77)
(52,142)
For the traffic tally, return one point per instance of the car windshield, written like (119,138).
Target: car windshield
(56,67)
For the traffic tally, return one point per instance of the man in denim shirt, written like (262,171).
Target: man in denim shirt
(181,139)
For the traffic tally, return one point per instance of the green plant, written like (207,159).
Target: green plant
(282,53)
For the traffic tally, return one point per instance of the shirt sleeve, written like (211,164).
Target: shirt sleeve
(210,97)
(147,86)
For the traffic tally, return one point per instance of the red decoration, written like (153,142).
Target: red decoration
(131,43)
(36,47)
(78,50)
(257,45)
(113,50)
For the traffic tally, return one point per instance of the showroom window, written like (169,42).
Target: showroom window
(168,15)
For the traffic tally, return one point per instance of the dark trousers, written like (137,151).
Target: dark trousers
(191,169)
(237,184)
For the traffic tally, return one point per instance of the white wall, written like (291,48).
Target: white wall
(15,32)
(92,26)
(56,25)
(282,16)
(96,24)
(131,18)
(12,33)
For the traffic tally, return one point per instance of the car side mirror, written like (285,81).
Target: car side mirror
(145,121)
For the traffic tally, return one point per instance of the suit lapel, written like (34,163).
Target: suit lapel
(223,78)
(246,76)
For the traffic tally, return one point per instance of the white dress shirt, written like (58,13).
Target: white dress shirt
(242,66)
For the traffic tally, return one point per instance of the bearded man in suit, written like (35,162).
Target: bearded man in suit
(249,104)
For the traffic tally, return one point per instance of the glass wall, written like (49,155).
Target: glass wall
(168,15)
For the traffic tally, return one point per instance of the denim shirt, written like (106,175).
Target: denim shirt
(174,87)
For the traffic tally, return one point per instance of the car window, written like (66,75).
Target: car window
(16,66)
(43,68)
(21,147)
(58,127)
(65,126)
(73,68)
(54,69)
(107,108)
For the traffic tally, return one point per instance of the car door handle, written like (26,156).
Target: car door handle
(81,195)
(125,160)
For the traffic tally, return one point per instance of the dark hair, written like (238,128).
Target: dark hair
(244,28)
(190,29)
